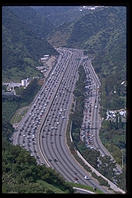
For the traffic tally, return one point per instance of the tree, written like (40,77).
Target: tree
(107,166)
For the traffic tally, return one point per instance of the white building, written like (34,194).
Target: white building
(111,115)
(43,59)
(24,82)
(123,113)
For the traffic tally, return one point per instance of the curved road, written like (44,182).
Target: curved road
(96,120)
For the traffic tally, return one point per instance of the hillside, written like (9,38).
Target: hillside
(59,15)
(102,34)
(21,47)
(39,24)
(60,35)
(21,174)
(92,23)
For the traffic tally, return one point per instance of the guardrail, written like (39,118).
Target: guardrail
(82,189)
(112,185)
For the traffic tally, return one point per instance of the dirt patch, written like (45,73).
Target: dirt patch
(18,116)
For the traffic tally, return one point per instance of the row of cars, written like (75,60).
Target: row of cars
(87,132)
(29,126)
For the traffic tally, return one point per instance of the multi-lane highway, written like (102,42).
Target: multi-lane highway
(92,121)
(43,129)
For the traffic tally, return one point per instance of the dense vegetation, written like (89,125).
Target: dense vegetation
(113,136)
(38,23)
(11,104)
(59,36)
(77,116)
(21,46)
(58,15)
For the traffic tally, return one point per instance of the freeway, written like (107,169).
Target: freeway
(91,121)
(96,119)
(43,129)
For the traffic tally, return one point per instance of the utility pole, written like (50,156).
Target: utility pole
(122,158)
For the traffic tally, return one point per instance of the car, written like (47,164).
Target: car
(86,177)
(91,146)
(76,179)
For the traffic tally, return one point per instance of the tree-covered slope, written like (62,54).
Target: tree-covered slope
(21,47)
(93,22)
(21,174)
(58,15)
(102,34)
(38,23)
(60,35)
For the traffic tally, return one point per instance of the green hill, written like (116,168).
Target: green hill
(38,23)
(58,15)
(21,47)
(60,35)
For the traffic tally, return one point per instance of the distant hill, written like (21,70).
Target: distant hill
(21,46)
(90,24)
(60,35)
(58,15)
(37,22)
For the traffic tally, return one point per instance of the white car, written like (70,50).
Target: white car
(91,147)
(86,177)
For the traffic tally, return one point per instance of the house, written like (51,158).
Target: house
(111,115)
(25,82)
